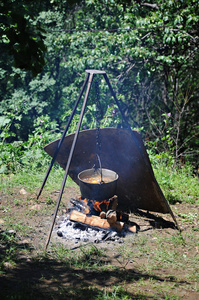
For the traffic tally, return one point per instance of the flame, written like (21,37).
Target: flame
(85,201)
(97,204)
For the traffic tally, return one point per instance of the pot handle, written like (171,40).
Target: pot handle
(100,166)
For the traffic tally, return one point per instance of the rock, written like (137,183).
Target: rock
(23,192)
(11,232)
(25,242)
(59,233)
(1,221)
(36,207)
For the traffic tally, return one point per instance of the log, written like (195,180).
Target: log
(111,216)
(82,204)
(122,217)
(94,221)
(102,215)
(114,203)
(132,228)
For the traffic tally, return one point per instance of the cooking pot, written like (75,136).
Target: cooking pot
(101,190)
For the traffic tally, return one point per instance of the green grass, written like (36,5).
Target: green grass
(33,180)
(128,272)
(117,292)
(87,258)
(178,184)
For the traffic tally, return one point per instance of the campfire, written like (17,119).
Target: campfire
(95,220)
(96,209)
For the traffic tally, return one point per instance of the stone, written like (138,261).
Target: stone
(23,192)
(36,207)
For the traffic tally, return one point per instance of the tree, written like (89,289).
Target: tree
(149,51)
(19,37)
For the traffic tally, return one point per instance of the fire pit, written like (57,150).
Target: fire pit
(94,221)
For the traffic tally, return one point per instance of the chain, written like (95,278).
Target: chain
(98,116)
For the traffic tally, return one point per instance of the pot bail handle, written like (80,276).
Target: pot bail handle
(100,166)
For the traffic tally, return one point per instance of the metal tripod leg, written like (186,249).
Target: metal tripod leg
(70,158)
(63,136)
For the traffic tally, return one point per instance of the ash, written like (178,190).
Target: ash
(70,230)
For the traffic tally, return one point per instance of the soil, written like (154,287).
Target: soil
(135,271)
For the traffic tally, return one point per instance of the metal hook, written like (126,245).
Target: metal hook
(100,167)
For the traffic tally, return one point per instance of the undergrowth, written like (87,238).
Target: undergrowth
(178,183)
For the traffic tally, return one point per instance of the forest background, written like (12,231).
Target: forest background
(149,50)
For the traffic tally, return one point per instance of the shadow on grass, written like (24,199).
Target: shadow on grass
(45,277)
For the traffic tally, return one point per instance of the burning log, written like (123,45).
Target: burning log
(94,221)
(122,217)
(114,203)
(81,204)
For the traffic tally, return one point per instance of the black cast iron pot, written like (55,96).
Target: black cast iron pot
(98,191)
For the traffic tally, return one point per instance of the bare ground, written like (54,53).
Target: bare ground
(158,262)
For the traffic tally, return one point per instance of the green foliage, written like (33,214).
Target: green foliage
(28,155)
(45,131)
(149,51)
(19,38)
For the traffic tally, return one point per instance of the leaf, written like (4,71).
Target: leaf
(4,121)
(3,169)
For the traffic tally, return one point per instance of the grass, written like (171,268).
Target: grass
(87,258)
(32,180)
(150,265)
(178,184)
(117,292)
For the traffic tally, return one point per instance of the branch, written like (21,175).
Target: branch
(187,140)
(146,35)
(150,5)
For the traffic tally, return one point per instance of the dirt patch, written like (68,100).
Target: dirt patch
(158,262)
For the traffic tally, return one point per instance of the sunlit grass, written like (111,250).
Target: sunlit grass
(178,184)
(33,180)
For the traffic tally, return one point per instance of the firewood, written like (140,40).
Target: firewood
(114,203)
(94,221)
(123,217)
(81,204)
(132,228)
(111,216)
(102,215)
